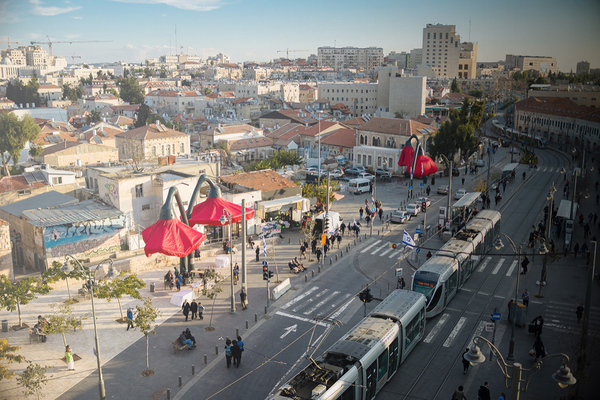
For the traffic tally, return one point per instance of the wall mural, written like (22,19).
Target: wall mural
(71,233)
(113,192)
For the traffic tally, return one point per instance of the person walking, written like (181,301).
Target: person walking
(401,283)
(339,239)
(465,362)
(194,309)
(184,340)
(579,312)
(200,310)
(235,353)
(381,215)
(178,280)
(539,349)
(525,298)
(240,344)
(502,396)
(463,181)
(459,393)
(319,255)
(575,249)
(236,273)
(325,249)
(343,227)
(484,392)
(524,265)
(186,309)
(129,318)
(360,212)
(69,358)
(302,251)
(257,251)
(228,352)
(244,299)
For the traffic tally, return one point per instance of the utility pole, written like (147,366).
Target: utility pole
(244,246)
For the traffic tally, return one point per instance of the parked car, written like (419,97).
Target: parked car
(400,216)
(455,172)
(336,173)
(366,175)
(480,163)
(413,208)
(460,193)
(355,170)
(443,189)
(383,172)
(427,201)
(514,150)
(311,169)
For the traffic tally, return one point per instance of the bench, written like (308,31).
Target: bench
(34,336)
(177,345)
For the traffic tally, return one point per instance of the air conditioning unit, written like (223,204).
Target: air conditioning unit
(44,166)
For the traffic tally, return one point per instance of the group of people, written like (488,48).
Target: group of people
(296,266)
(196,310)
(40,328)
(234,350)
(371,215)
(482,394)
(186,338)
(177,279)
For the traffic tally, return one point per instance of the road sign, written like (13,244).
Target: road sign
(410,187)
(289,330)
(422,184)
(419,230)
(398,271)
(418,250)
(496,316)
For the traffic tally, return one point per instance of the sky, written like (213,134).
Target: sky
(261,30)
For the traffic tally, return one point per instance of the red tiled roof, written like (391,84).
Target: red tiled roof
(314,130)
(132,107)
(175,93)
(558,106)
(264,180)
(150,132)
(18,182)
(243,144)
(396,126)
(343,137)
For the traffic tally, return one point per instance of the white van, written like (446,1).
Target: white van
(358,186)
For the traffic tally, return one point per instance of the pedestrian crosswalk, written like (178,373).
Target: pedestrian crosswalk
(316,301)
(560,317)
(382,248)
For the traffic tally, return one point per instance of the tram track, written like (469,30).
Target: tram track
(547,157)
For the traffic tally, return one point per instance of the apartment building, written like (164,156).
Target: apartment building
(416,58)
(361,98)
(441,49)
(582,95)
(307,93)
(467,61)
(151,141)
(350,57)
(583,67)
(402,59)
(542,64)
(488,85)
(173,102)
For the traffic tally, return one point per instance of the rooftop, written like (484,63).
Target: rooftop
(151,131)
(48,199)
(264,180)
(88,210)
(18,182)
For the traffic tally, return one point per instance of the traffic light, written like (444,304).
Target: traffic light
(423,206)
(326,224)
(365,296)
(323,239)
(270,274)
(265,273)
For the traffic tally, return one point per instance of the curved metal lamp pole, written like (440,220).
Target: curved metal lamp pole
(67,268)
(449,162)
(563,376)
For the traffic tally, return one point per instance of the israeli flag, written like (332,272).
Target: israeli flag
(264,246)
(407,240)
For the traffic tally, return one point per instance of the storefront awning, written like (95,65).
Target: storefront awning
(277,204)
(467,200)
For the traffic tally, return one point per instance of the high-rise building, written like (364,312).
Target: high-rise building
(467,61)
(583,67)
(350,57)
(416,57)
(441,49)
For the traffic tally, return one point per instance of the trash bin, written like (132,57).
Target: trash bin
(521,314)
(152,287)
(4,325)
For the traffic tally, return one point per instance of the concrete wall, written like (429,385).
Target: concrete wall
(408,96)
(86,154)
(6,264)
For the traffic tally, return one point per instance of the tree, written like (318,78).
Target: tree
(312,190)
(454,87)
(163,73)
(54,274)
(72,93)
(145,321)
(148,72)
(207,91)
(21,292)
(14,134)
(307,231)
(8,356)
(398,115)
(33,379)
(130,90)
(24,94)
(478,93)
(93,116)
(143,113)
(35,150)
(63,321)
(186,82)
(116,288)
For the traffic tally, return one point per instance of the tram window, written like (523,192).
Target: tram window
(383,364)
(348,394)
(412,331)
(452,281)
(371,380)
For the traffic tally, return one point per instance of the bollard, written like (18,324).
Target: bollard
(313,273)
(305,278)
(217,350)
(180,383)
(237,332)
(336,257)
(255,317)
(246,324)
(289,240)
(265,310)
(365,236)
(168,394)
(205,359)
(359,239)
(331,260)
(377,232)
(319,269)
(193,370)
(342,253)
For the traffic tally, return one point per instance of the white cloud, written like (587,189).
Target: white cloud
(192,5)
(38,9)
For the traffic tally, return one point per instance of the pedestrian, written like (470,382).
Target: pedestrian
(428,190)
(244,299)
(360,212)
(339,240)
(510,308)
(459,393)
(484,392)
(200,310)
(319,255)
(502,396)
(325,249)
(194,309)
(584,250)
(184,340)
(236,273)
(302,251)
(524,265)
(257,251)
(186,309)
(240,344)
(69,359)
(343,227)
(188,335)
(504,186)
(537,323)
(526,298)
(586,230)
(228,352)
(538,348)
(368,219)
(575,249)
(488,201)
(595,218)
(579,312)
(129,318)
(381,213)
(401,283)
(465,362)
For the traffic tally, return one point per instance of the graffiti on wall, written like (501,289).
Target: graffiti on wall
(71,233)
(113,193)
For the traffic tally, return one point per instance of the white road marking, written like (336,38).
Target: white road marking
(495,271)
(289,330)
(436,328)
(545,169)
(512,267)
(452,336)
(484,264)
(341,310)
(380,248)
(298,298)
(387,251)
(367,248)
(310,300)
(319,304)
(310,321)
(477,332)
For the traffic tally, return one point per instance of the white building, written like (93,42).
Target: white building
(350,57)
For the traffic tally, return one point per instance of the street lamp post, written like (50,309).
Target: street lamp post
(543,248)
(319,161)
(498,245)
(449,162)
(517,385)
(226,219)
(67,268)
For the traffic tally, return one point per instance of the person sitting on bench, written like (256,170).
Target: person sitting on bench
(298,264)
(184,340)
(188,335)
(293,267)
(38,329)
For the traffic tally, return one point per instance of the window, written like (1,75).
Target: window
(359,159)
(163,149)
(24,192)
(412,331)
(57,180)
(434,35)
(139,191)
(146,207)
(446,35)
(428,35)
(173,148)
(153,151)
(382,363)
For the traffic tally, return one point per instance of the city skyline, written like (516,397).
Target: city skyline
(262,30)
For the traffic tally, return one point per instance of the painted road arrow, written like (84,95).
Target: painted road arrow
(288,330)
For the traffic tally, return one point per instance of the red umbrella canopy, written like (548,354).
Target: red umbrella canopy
(406,156)
(424,166)
(209,211)
(171,237)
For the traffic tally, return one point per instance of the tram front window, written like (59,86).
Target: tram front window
(425,283)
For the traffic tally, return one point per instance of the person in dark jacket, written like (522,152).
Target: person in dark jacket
(188,335)
(459,394)
(257,253)
(524,265)
(465,362)
(240,344)
(235,353)
(244,299)
(129,318)
(194,309)
(228,352)
(540,350)
(186,309)
(484,392)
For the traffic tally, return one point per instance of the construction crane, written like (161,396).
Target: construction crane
(287,52)
(73,57)
(49,43)
(8,42)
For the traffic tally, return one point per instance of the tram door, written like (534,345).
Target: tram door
(371,380)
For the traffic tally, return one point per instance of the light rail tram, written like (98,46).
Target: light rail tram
(440,277)
(358,365)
